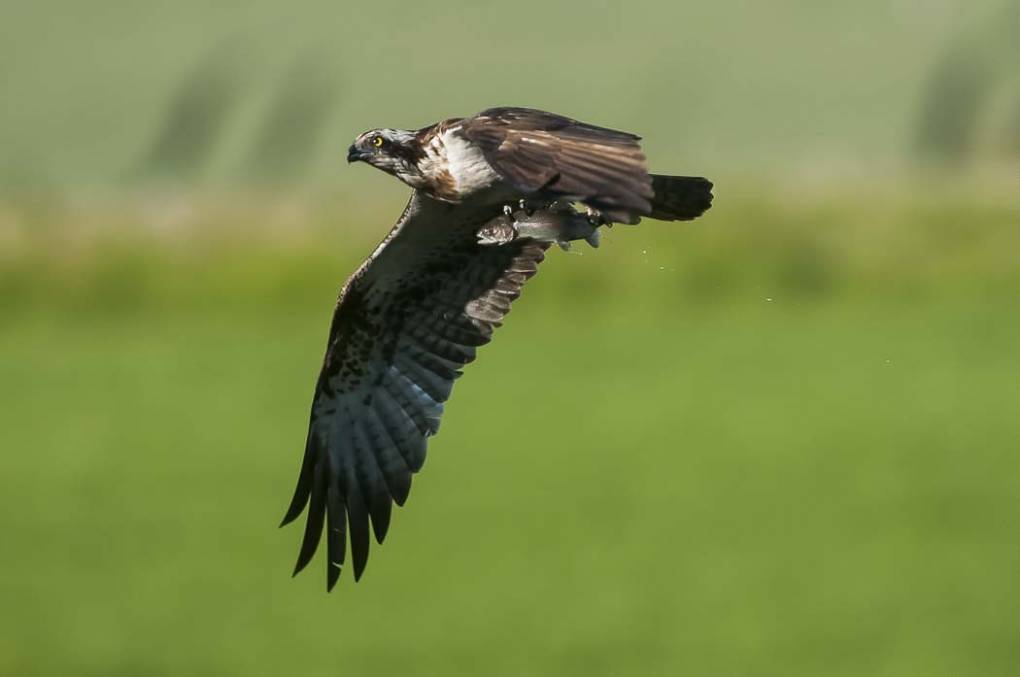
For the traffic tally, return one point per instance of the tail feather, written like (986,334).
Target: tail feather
(680,198)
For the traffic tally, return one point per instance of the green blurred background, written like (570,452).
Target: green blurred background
(781,439)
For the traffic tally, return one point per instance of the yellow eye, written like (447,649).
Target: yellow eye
(377,141)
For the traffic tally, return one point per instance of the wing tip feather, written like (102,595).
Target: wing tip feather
(332,576)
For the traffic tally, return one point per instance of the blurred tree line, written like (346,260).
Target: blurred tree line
(969,109)
(284,141)
(971,103)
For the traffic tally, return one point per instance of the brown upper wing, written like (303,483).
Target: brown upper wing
(405,324)
(542,152)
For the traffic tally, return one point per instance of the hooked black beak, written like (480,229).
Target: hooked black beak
(353,154)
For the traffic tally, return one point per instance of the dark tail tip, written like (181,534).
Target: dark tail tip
(680,198)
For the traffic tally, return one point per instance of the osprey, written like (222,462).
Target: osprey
(490,194)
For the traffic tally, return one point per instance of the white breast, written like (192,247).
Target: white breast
(466,164)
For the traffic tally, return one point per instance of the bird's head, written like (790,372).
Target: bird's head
(395,151)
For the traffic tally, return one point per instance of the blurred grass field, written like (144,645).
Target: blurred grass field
(778,440)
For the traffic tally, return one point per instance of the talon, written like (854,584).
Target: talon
(508,210)
(594,216)
(564,245)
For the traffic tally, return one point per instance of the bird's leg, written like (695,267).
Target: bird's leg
(561,206)
(595,217)
(531,205)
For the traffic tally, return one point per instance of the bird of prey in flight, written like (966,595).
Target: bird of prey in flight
(490,194)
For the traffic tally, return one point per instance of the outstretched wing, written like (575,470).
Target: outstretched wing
(537,151)
(404,325)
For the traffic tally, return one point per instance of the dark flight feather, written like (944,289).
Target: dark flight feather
(404,326)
